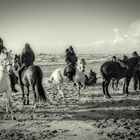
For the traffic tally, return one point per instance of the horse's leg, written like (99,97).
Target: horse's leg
(127,85)
(59,89)
(79,88)
(35,95)
(113,80)
(139,81)
(28,95)
(124,86)
(106,88)
(84,85)
(9,104)
(23,94)
(135,82)
(117,83)
(103,86)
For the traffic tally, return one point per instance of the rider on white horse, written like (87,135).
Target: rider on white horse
(71,60)
(13,77)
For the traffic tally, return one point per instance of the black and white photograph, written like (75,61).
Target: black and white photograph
(69,69)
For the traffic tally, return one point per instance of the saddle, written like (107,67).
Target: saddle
(123,65)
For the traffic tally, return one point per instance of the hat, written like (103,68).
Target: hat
(114,57)
(67,50)
(71,48)
(135,53)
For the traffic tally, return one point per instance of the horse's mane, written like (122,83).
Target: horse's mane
(18,58)
(82,61)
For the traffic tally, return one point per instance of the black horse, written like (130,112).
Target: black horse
(111,69)
(31,77)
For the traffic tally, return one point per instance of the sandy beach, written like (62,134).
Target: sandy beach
(90,117)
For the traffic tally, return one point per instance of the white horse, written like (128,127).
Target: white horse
(5,83)
(59,78)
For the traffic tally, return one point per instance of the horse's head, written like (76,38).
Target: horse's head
(17,62)
(81,65)
(6,61)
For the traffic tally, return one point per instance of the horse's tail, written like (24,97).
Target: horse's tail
(40,89)
(41,92)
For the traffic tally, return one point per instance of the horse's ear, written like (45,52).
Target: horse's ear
(10,51)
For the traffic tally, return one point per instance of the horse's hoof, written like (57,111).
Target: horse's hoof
(13,118)
(15,91)
(5,116)
(35,106)
(109,97)
(126,95)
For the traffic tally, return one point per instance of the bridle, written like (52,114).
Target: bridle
(6,65)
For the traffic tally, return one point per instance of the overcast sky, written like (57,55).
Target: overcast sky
(51,25)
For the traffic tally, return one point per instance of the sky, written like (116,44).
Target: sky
(90,26)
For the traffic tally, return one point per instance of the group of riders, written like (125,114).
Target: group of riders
(27,59)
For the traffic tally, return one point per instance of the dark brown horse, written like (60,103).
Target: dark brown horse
(31,78)
(111,69)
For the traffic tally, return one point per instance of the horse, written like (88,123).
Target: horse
(59,78)
(111,69)
(5,83)
(31,78)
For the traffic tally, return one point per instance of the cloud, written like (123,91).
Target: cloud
(122,43)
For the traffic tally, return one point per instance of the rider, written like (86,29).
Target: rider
(67,56)
(13,77)
(71,60)
(114,58)
(27,59)
(73,57)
